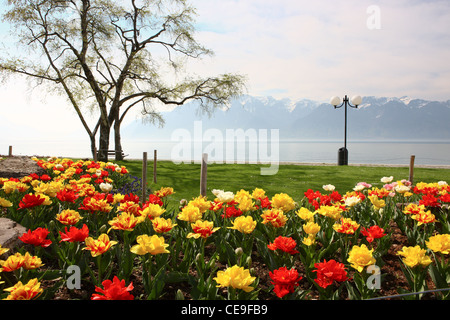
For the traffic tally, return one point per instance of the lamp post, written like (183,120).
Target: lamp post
(336,102)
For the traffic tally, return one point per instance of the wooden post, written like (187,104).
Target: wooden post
(10,151)
(203,172)
(411,169)
(155,159)
(144,176)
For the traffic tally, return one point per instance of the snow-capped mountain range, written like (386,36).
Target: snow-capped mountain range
(377,118)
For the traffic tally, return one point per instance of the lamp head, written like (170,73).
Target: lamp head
(335,101)
(356,100)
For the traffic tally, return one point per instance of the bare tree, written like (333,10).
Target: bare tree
(108,57)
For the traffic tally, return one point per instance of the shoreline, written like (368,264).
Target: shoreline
(426,166)
(429,166)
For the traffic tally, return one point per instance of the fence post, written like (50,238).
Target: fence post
(411,168)
(203,173)
(10,151)
(144,175)
(155,159)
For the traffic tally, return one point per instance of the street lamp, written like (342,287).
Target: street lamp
(336,102)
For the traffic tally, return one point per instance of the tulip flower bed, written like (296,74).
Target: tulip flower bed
(91,236)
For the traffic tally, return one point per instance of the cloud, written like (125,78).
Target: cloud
(314,50)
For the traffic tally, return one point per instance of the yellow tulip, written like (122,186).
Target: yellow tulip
(152,211)
(377,203)
(246,204)
(305,214)
(413,256)
(283,201)
(235,277)
(153,245)
(244,224)
(360,257)
(439,243)
(311,228)
(258,194)
(201,203)
(190,213)
(5,203)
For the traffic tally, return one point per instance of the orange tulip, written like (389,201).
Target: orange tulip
(28,291)
(99,246)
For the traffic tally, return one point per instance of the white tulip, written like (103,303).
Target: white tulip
(106,187)
(387,179)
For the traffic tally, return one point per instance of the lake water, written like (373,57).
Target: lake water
(365,152)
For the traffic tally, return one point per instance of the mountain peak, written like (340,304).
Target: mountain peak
(375,118)
(406,100)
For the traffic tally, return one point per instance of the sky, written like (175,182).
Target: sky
(318,49)
(286,49)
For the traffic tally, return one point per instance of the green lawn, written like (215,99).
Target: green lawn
(291,179)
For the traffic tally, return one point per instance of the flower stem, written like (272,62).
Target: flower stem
(99,267)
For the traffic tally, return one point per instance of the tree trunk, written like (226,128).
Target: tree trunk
(93,147)
(117,140)
(104,142)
